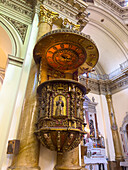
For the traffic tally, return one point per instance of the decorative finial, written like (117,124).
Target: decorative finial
(69,25)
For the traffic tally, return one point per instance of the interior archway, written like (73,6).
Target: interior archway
(5,49)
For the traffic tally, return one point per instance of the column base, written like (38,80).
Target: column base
(23,168)
(114,165)
(68,167)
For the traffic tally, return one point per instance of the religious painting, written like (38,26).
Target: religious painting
(59,108)
(13,147)
(91,126)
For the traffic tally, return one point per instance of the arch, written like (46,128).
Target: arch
(13,35)
(10,44)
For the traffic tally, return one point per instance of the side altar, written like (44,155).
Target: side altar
(94,156)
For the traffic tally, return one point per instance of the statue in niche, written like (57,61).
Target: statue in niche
(59,107)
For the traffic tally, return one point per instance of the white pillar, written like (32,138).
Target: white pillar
(11,117)
(7,100)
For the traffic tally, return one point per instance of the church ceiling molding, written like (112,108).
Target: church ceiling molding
(20,27)
(114,8)
(99,69)
(74,10)
(119,84)
(103,86)
(109,16)
(109,31)
(17,7)
(110,34)
(60,6)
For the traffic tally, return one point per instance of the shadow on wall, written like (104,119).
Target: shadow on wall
(47,159)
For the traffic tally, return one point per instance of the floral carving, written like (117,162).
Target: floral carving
(20,27)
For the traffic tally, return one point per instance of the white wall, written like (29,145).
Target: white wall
(47,160)
(120,103)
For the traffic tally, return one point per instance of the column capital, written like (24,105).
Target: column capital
(109,97)
(47,16)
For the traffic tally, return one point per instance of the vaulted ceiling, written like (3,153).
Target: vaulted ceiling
(111,37)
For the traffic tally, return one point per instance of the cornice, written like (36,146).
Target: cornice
(105,86)
(107,30)
(109,15)
(16,61)
(74,10)
(119,84)
(121,12)
(17,7)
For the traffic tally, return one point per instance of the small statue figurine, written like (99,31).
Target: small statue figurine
(59,108)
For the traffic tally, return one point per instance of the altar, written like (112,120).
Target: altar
(97,160)
(94,156)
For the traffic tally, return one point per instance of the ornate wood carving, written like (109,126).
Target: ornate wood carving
(60,119)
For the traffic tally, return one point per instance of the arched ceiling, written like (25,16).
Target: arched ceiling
(110,36)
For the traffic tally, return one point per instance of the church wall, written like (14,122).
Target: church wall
(47,159)
(7,105)
(120,102)
(104,124)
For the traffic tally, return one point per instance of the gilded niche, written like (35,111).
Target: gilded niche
(59,106)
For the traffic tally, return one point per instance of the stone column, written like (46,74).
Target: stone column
(45,25)
(68,75)
(28,156)
(68,160)
(115,135)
